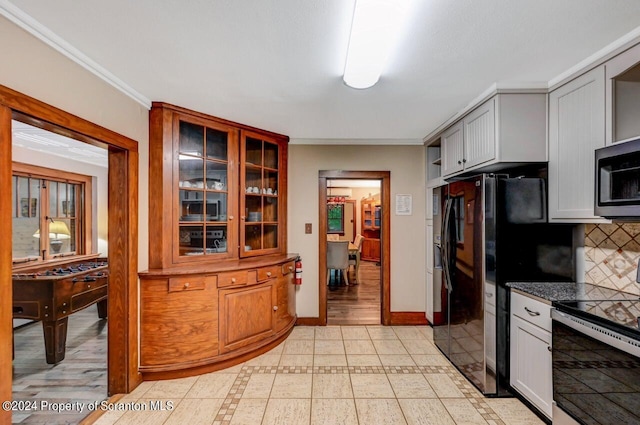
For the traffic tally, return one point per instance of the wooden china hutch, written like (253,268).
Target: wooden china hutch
(219,288)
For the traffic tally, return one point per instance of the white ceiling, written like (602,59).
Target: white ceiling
(38,139)
(277,64)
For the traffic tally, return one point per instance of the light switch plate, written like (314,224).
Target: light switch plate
(307,228)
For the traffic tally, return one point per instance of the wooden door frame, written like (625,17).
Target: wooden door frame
(122,372)
(355,224)
(385,237)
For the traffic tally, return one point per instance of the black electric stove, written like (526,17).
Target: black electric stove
(613,309)
(596,357)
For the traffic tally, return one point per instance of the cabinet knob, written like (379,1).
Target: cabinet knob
(233,280)
(549,348)
(464,160)
(459,162)
(275,308)
(242,217)
(290,268)
(230,217)
(268,274)
(186,285)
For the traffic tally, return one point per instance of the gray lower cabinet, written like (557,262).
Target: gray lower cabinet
(530,346)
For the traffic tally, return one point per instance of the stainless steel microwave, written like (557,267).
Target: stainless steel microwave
(618,180)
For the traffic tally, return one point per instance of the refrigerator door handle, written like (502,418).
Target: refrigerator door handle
(446,244)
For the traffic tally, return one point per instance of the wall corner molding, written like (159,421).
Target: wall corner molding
(44,34)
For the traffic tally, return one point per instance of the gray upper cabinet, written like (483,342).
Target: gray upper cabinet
(622,80)
(576,129)
(509,128)
(479,135)
(452,150)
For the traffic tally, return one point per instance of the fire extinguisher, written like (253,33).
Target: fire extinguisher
(298,280)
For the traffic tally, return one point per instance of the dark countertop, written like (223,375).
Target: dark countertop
(550,291)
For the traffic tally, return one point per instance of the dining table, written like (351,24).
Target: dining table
(353,250)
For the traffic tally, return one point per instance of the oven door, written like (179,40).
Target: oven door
(596,372)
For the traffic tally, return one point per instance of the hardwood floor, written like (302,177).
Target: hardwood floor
(356,304)
(80,378)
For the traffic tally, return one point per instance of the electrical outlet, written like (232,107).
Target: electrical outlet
(307,228)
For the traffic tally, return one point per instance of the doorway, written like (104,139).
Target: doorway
(374,274)
(66,181)
(122,360)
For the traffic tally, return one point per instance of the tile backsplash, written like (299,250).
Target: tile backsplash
(611,254)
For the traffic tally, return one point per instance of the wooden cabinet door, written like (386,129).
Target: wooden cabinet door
(452,149)
(479,135)
(246,315)
(179,320)
(576,129)
(531,373)
(285,302)
(370,250)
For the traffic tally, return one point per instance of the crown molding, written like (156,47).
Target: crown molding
(44,34)
(492,90)
(598,58)
(358,142)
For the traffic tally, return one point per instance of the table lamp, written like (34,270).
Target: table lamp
(58,230)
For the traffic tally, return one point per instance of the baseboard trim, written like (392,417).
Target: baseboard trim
(400,318)
(438,318)
(308,321)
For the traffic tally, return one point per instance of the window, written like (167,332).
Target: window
(49,213)
(335,218)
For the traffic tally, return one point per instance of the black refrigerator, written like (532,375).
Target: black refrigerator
(489,230)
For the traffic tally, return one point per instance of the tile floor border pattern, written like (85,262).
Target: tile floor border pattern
(233,398)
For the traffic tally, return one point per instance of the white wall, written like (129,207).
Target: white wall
(33,68)
(406,164)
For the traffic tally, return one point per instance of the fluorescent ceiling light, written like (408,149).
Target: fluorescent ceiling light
(374,32)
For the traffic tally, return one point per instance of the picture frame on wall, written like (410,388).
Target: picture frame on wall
(28,207)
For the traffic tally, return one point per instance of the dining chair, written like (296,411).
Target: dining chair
(338,258)
(333,237)
(354,257)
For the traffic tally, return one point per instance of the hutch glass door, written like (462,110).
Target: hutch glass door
(259,181)
(203,180)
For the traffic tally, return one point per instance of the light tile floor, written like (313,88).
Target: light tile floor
(327,375)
